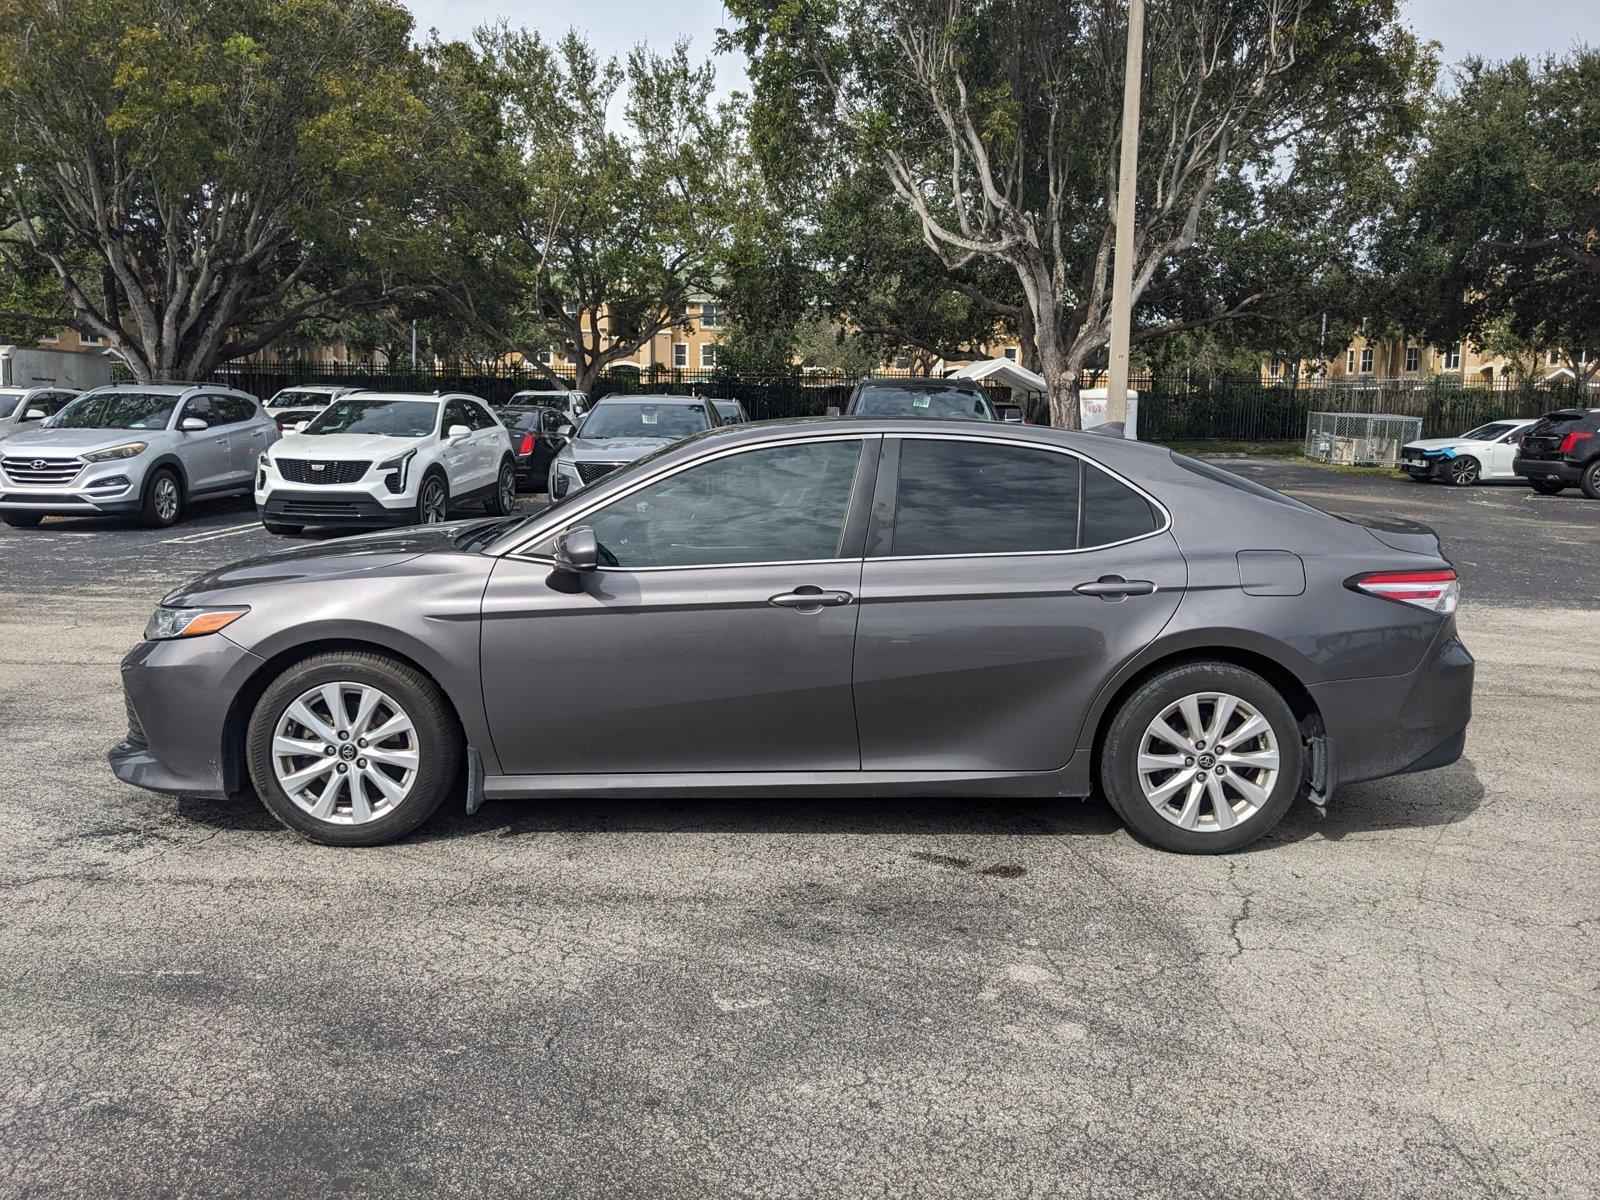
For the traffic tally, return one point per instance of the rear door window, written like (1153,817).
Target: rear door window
(972,497)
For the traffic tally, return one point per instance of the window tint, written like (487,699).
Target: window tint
(479,416)
(1113,511)
(968,497)
(116,410)
(202,407)
(231,410)
(455,413)
(782,504)
(913,400)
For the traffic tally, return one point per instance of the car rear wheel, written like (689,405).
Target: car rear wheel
(163,500)
(1590,480)
(1202,758)
(352,748)
(433,501)
(1464,471)
(22,520)
(1547,487)
(504,500)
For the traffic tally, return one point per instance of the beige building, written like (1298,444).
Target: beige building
(1400,358)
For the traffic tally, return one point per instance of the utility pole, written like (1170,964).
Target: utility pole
(1127,186)
(413,344)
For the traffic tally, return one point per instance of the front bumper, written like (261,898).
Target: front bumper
(1553,469)
(98,489)
(179,694)
(1398,723)
(328,507)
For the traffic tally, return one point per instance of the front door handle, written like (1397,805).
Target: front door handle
(1114,587)
(810,599)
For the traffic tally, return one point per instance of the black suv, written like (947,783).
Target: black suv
(1561,449)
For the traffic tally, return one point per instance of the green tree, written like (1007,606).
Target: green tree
(995,123)
(201,178)
(590,237)
(1500,232)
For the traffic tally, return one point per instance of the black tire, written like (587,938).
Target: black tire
(426,513)
(162,507)
(1464,471)
(438,744)
(1547,487)
(22,520)
(1589,481)
(1419,476)
(279,527)
(1119,774)
(502,502)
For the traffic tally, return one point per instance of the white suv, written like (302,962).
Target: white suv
(387,458)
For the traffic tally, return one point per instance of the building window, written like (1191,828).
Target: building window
(91,339)
(902,361)
(542,357)
(1349,362)
(1413,359)
(712,316)
(50,339)
(708,356)
(1452,358)
(1366,360)
(1553,358)
(1011,353)
(680,354)
(1277,368)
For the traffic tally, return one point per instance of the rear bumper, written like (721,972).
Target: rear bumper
(1395,724)
(178,694)
(1558,469)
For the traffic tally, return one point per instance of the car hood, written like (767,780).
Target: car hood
(614,449)
(1443,443)
(323,561)
(342,445)
(76,441)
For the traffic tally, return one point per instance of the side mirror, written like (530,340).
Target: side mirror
(456,432)
(577,550)
(192,425)
(35,414)
(833,410)
(299,426)
(565,431)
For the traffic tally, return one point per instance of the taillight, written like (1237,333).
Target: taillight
(1569,442)
(1436,591)
(528,439)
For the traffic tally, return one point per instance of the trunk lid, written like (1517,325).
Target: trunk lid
(1409,537)
(1543,438)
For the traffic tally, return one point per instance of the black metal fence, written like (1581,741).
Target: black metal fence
(1187,407)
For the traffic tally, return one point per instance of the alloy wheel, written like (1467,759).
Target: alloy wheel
(1208,762)
(166,497)
(345,753)
(508,489)
(433,502)
(1464,471)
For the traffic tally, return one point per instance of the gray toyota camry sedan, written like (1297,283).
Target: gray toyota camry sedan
(855,607)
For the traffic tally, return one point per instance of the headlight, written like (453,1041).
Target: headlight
(168,622)
(115,452)
(399,464)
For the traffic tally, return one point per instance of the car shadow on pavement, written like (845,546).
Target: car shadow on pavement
(1422,801)
(516,818)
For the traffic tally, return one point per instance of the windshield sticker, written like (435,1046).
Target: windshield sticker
(921,401)
(648,417)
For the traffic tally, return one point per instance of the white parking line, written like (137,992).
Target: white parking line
(209,535)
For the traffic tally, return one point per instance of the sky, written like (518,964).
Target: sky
(1490,28)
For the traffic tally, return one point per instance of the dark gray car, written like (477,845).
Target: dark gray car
(856,607)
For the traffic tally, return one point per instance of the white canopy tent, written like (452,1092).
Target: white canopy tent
(1004,372)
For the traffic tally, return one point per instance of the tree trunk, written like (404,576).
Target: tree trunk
(1061,380)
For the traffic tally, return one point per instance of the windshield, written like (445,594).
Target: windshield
(629,420)
(116,410)
(922,402)
(298,397)
(9,401)
(391,418)
(1488,433)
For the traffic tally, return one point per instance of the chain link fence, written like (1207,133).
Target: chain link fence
(1359,439)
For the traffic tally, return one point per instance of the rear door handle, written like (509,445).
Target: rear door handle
(1114,587)
(810,599)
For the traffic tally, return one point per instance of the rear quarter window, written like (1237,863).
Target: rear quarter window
(1113,511)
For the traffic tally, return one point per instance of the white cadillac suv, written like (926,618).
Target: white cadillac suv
(387,458)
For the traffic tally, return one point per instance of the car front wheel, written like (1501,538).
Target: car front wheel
(1547,487)
(22,520)
(1464,471)
(352,748)
(163,500)
(433,501)
(1202,758)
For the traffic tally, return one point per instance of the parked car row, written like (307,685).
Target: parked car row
(1558,450)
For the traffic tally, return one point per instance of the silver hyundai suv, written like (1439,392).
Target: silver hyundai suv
(143,449)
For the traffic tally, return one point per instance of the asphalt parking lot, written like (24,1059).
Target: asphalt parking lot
(1396,998)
